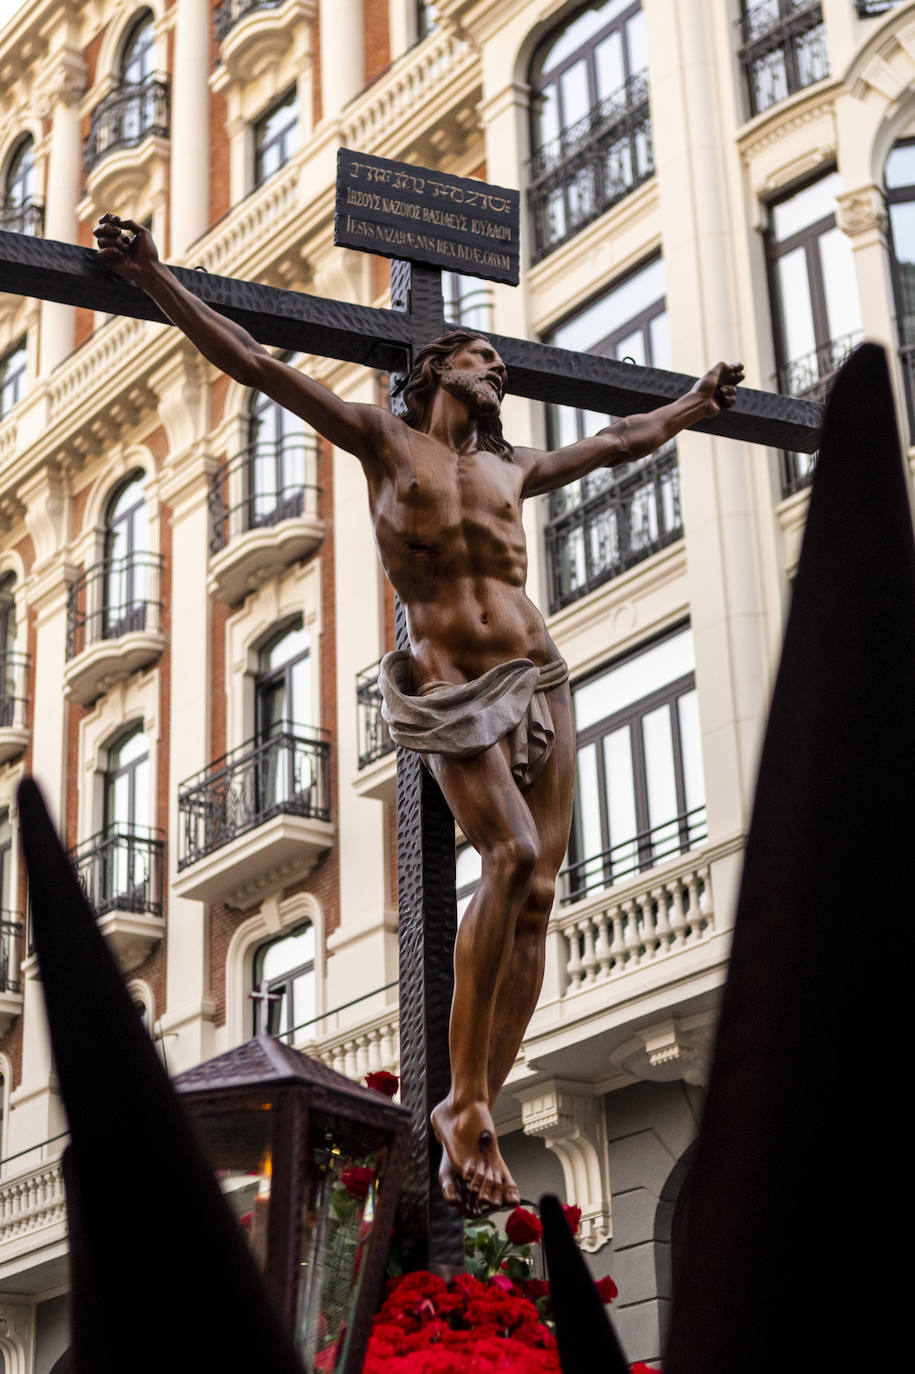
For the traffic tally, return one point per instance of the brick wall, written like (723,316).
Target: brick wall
(377,38)
(220,195)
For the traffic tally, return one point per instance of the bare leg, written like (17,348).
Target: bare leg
(550,803)
(495,818)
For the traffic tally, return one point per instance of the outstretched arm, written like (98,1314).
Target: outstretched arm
(633,437)
(231,348)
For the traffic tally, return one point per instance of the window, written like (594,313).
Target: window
(283,705)
(138,62)
(275,464)
(468,301)
(815,308)
(639,792)
(125,853)
(13,366)
(276,137)
(426,22)
(21,212)
(899,185)
(614,517)
(138,104)
(784,49)
(6,859)
(127,561)
(284,982)
(591,128)
(10,662)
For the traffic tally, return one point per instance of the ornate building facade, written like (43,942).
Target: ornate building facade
(191,607)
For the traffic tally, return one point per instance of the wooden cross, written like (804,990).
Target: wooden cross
(387,340)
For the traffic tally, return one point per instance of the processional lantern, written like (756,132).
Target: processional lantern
(310,1164)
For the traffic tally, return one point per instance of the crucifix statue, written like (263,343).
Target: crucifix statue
(481,692)
(445,490)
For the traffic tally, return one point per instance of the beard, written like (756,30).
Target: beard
(479,395)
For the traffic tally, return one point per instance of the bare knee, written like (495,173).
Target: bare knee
(534,919)
(511,863)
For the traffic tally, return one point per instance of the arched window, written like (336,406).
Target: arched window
(899,187)
(283,715)
(284,982)
(8,661)
(276,137)
(13,365)
(275,464)
(127,560)
(21,212)
(10,920)
(137,69)
(125,851)
(590,123)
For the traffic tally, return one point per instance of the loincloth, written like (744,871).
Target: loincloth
(458,720)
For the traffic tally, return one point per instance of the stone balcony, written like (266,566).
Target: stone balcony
(14,727)
(33,1227)
(114,616)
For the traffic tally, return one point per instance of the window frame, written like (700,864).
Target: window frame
(286,980)
(12,383)
(905,319)
(630,716)
(260,145)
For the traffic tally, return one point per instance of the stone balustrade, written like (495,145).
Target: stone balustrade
(361,1049)
(418,78)
(32,1201)
(103,356)
(637,922)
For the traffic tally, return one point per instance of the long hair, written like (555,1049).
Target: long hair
(421,383)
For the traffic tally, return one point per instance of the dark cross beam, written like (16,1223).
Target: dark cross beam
(386,340)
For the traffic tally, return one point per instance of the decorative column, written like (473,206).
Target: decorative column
(190,126)
(573,1127)
(62,95)
(342,61)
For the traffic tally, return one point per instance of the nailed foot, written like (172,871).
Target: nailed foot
(473,1174)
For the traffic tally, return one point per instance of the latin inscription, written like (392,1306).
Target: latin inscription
(397,210)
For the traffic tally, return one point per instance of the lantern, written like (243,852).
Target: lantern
(310,1163)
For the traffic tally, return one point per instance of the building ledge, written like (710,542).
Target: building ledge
(378,779)
(132,935)
(282,850)
(255,41)
(250,559)
(10,1008)
(108,661)
(13,741)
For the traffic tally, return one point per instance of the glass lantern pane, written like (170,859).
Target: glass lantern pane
(238,1145)
(337,1219)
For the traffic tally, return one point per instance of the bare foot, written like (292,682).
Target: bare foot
(473,1174)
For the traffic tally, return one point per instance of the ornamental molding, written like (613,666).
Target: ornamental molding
(858,212)
(571,1123)
(669,1050)
(64,84)
(885,65)
(778,127)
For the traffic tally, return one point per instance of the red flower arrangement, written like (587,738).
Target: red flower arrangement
(383,1082)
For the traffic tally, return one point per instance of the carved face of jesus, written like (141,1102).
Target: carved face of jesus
(476,375)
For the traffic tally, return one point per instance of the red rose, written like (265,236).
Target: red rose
(572,1216)
(642,1368)
(606,1289)
(502,1282)
(523,1227)
(536,1288)
(383,1082)
(357,1180)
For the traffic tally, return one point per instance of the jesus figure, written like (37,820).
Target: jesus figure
(483,692)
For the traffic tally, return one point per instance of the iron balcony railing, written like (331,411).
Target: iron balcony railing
(371,729)
(261,486)
(811,377)
(118,597)
(14,676)
(784,49)
(11,936)
(590,166)
(634,855)
(126,116)
(626,515)
(121,868)
(286,774)
(25,218)
(232,12)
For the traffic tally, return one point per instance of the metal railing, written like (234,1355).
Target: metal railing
(591,165)
(784,49)
(11,936)
(261,486)
(126,116)
(810,377)
(120,869)
(645,850)
(114,598)
(626,515)
(25,218)
(232,12)
(371,729)
(14,671)
(287,774)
